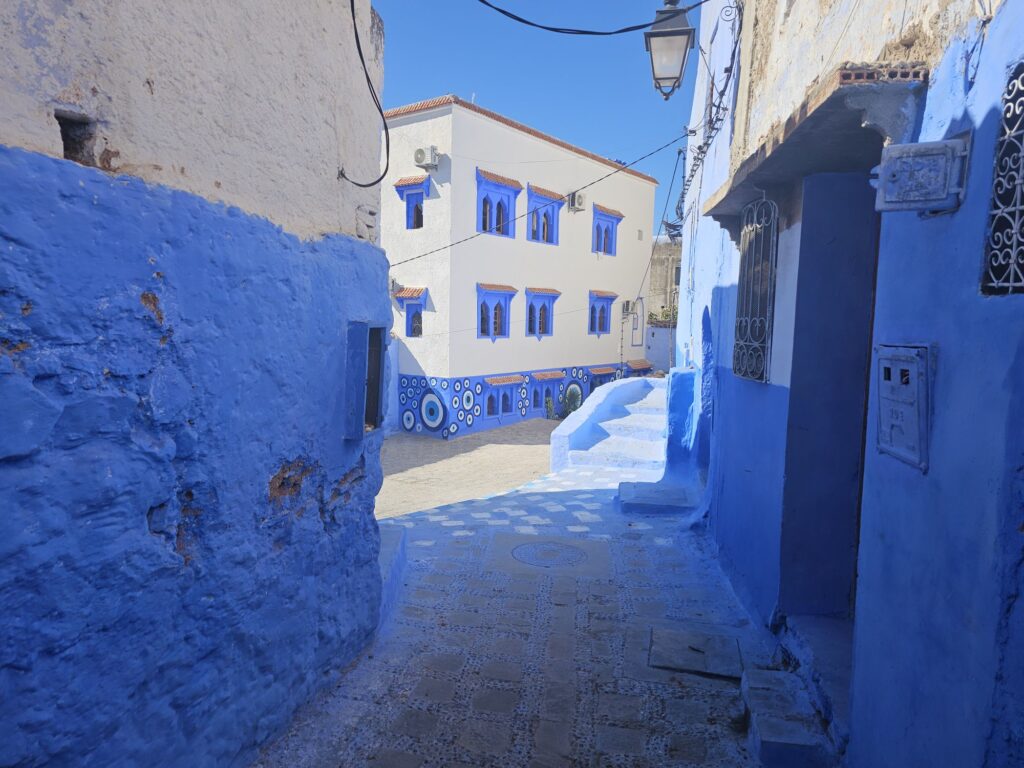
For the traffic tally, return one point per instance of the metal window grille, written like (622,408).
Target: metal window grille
(1004,253)
(755,292)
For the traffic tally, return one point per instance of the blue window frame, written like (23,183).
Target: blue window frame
(542,213)
(605,236)
(599,316)
(413,320)
(492,309)
(540,311)
(496,204)
(413,191)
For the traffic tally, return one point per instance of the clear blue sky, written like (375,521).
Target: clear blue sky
(595,92)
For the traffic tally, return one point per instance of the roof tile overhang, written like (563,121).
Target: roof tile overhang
(497,178)
(496,288)
(639,365)
(544,291)
(499,381)
(604,294)
(549,375)
(449,100)
(409,293)
(609,211)
(409,181)
(603,370)
(841,126)
(534,189)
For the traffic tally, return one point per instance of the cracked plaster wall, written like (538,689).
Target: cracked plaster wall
(187,546)
(255,104)
(790,46)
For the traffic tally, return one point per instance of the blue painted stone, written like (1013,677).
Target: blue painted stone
(187,546)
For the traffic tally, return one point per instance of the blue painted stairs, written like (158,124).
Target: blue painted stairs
(632,437)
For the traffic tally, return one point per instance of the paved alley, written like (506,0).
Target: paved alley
(543,628)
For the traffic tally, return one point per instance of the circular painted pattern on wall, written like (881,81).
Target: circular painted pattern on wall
(458,386)
(408,420)
(469,419)
(444,433)
(405,382)
(522,392)
(432,411)
(479,388)
(444,383)
(419,427)
(410,391)
(561,387)
(465,383)
(549,554)
(468,399)
(455,401)
(618,374)
(462,415)
(453,429)
(476,410)
(402,397)
(433,382)
(522,411)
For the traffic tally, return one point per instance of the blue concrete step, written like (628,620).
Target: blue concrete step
(622,452)
(654,403)
(642,426)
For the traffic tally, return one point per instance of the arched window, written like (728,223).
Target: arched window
(485,215)
(593,319)
(416,324)
(506,402)
(485,319)
(543,319)
(499,324)
(417,216)
(607,242)
(546,228)
(499,218)
(536,397)
(492,405)
(597,238)
(602,319)
(531,318)
(533,224)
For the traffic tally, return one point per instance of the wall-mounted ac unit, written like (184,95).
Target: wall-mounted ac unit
(425,157)
(577,201)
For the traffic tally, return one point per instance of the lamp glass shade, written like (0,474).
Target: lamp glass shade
(669,42)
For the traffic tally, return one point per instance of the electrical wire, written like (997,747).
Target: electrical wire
(376,103)
(563,197)
(654,242)
(591,32)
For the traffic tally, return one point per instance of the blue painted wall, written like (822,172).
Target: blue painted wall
(187,545)
(937,674)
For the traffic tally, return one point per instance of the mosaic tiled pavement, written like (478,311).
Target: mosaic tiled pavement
(523,637)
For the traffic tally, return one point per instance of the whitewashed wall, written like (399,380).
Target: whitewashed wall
(255,104)
(429,353)
(569,266)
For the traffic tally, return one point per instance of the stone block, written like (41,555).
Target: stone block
(695,652)
(785,731)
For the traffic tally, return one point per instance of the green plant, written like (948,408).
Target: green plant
(549,407)
(573,400)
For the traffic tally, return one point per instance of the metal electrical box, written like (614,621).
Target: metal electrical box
(928,176)
(903,397)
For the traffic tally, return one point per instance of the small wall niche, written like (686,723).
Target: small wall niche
(78,136)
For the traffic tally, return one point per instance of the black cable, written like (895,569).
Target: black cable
(654,242)
(563,197)
(380,110)
(603,33)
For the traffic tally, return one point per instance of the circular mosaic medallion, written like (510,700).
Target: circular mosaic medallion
(419,427)
(405,382)
(458,386)
(469,419)
(432,411)
(479,388)
(476,410)
(444,383)
(549,554)
(462,415)
(618,374)
(453,429)
(456,401)
(402,398)
(465,383)
(522,411)
(468,399)
(408,420)
(433,382)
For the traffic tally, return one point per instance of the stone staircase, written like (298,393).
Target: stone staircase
(631,436)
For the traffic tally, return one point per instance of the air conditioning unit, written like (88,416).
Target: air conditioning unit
(577,201)
(425,157)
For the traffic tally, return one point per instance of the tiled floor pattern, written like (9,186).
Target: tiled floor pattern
(522,638)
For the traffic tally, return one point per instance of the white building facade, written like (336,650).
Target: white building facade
(513,298)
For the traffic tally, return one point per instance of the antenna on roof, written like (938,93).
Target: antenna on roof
(472,98)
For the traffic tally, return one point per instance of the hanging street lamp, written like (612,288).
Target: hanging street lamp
(669,41)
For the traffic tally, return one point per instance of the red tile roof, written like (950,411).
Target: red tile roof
(547,375)
(545,291)
(605,294)
(409,293)
(408,181)
(499,179)
(545,192)
(602,370)
(639,365)
(500,380)
(609,211)
(497,287)
(441,101)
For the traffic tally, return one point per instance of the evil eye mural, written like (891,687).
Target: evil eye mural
(432,411)
(449,407)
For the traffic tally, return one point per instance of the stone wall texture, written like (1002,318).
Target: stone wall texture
(187,544)
(256,104)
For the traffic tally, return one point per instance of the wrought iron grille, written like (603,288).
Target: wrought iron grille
(1004,253)
(755,293)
